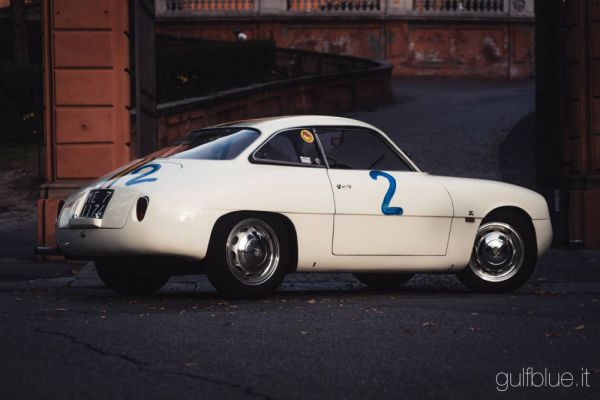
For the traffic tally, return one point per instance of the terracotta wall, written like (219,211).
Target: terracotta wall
(447,48)
(86,89)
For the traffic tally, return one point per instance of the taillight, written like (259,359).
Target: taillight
(141,208)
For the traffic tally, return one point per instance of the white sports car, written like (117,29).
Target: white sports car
(248,202)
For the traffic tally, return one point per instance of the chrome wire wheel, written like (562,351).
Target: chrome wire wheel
(252,251)
(498,252)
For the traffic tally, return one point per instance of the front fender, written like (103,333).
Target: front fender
(477,198)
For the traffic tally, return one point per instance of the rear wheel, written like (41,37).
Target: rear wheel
(249,256)
(383,280)
(125,277)
(504,254)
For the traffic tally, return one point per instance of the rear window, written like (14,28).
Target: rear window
(212,144)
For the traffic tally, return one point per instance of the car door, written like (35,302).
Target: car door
(289,176)
(382,206)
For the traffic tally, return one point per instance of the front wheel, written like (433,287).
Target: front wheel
(124,277)
(504,255)
(249,256)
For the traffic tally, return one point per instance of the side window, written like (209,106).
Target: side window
(359,149)
(296,146)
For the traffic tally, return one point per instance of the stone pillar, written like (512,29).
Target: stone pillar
(87,95)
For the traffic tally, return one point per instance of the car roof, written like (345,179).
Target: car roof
(277,123)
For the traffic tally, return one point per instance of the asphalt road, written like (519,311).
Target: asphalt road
(321,336)
(454,127)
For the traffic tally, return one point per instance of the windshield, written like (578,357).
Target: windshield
(211,144)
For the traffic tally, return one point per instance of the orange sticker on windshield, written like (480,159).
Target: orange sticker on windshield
(307,136)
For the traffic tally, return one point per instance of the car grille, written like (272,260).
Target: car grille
(96,203)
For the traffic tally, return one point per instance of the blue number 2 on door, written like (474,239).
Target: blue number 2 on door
(385,204)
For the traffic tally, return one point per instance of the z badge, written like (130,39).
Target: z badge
(307,136)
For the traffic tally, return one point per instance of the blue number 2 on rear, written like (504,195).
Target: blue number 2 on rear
(152,168)
(385,205)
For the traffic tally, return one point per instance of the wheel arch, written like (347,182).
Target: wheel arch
(501,211)
(257,214)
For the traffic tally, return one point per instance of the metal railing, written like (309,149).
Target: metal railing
(207,6)
(460,6)
(490,9)
(333,5)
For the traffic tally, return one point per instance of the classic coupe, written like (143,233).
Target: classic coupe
(250,201)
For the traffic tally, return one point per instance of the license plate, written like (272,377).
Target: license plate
(96,203)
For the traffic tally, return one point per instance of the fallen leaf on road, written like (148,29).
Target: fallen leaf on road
(429,324)
(312,301)
(579,327)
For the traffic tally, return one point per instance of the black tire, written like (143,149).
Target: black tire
(124,277)
(469,276)
(232,281)
(386,280)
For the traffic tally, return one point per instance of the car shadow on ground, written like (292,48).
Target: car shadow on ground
(101,296)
